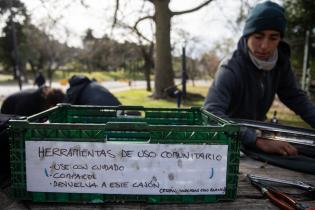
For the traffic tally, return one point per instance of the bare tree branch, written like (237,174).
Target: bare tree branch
(141,19)
(134,29)
(115,14)
(83,3)
(141,35)
(231,23)
(142,6)
(191,10)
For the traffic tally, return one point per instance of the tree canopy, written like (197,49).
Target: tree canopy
(164,75)
(301,17)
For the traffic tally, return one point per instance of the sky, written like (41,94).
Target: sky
(207,26)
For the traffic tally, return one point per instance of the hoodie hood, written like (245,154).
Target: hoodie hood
(77,85)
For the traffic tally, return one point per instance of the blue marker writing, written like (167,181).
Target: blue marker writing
(211,173)
(46,172)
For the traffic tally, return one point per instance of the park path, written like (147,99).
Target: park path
(113,86)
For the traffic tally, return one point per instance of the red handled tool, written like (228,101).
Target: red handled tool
(280,199)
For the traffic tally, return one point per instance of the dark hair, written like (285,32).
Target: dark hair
(52,96)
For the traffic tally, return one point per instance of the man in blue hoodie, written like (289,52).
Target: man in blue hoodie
(246,83)
(83,91)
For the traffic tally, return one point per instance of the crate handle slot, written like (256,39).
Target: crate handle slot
(143,139)
(127,126)
(130,113)
(124,107)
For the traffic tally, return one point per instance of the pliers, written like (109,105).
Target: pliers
(280,199)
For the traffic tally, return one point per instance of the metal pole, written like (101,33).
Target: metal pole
(306,71)
(184,72)
(15,47)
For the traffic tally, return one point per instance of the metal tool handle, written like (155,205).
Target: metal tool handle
(298,184)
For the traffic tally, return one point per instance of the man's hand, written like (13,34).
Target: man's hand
(276,147)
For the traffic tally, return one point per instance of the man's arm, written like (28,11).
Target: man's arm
(220,93)
(294,98)
(276,147)
(219,100)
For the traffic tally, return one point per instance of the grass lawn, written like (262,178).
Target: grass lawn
(65,75)
(6,78)
(141,97)
(285,115)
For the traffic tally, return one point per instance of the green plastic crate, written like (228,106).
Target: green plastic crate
(125,125)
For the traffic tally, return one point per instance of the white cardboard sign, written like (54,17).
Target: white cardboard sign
(129,168)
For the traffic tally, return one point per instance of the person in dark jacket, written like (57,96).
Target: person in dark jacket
(83,91)
(31,101)
(39,79)
(246,83)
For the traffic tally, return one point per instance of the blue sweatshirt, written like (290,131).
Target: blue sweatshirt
(83,91)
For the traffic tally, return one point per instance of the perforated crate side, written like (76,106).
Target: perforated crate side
(141,131)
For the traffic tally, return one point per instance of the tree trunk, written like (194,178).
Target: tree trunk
(33,67)
(164,75)
(147,55)
(147,78)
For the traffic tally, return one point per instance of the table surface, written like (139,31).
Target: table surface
(248,197)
